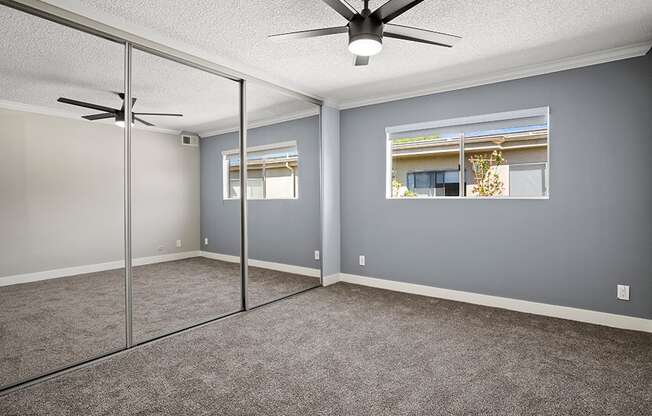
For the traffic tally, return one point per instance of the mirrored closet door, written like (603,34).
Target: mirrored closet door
(62,277)
(126,198)
(283,194)
(185,238)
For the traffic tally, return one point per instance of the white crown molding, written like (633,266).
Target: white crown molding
(593,58)
(544,309)
(47,111)
(261,123)
(35,109)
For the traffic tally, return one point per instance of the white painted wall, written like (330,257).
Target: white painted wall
(165,194)
(61,193)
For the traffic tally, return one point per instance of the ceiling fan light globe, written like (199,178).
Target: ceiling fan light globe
(365,47)
(121,124)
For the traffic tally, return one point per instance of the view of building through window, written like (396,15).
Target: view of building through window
(272,172)
(501,158)
(426,166)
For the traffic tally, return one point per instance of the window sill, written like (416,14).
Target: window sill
(261,199)
(470,198)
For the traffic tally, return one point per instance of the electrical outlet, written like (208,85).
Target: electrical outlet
(161,249)
(362,261)
(316,254)
(205,241)
(178,243)
(623,292)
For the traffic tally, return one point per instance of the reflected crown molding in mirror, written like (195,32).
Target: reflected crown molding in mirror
(47,111)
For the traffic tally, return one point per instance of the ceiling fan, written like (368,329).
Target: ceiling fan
(117,114)
(367,29)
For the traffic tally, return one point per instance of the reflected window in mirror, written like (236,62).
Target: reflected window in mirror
(272,172)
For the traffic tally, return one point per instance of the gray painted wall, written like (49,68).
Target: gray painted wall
(61,193)
(282,231)
(573,249)
(330,127)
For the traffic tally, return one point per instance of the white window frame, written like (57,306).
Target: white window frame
(231,152)
(483,118)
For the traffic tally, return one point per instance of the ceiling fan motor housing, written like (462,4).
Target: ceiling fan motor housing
(120,116)
(365,27)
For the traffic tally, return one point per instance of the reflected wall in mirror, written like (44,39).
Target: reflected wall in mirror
(174,284)
(283,191)
(62,287)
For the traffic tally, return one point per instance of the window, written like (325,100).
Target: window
(503,155)
(272,172)
(434,183)
(527,179)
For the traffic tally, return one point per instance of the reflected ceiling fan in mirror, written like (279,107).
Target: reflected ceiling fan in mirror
(367,29)
(117,114)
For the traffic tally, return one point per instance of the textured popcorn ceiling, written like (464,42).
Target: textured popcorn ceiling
(497,35)
(42,61)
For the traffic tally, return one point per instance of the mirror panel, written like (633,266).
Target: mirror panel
(176,282)
(283,192)
(62,279)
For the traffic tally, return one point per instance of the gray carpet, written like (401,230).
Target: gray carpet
(350,350)
(54,323)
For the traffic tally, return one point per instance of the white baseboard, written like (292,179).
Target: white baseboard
(219,256)
(141,261)
(281,267)
(91,268)
(331,279)
(555,311)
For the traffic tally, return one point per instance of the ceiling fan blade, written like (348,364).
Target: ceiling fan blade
(99,116)
(143,121)
(361,60)
(87,105)
(312,33)
(122,96)
(158,114)
(393,9)
(420,35)
(343,8)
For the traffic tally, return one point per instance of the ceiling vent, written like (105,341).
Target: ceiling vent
(189,140)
